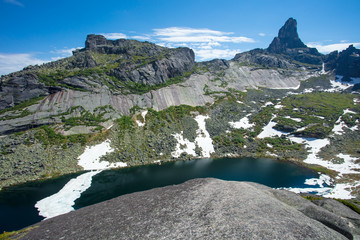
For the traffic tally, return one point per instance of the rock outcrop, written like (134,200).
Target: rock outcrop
(287,38)
(102,64)
(202,209)
(346,63)
(285,51)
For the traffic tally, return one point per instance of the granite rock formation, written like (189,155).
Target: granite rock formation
(346,63)
(202,209)
(287,38)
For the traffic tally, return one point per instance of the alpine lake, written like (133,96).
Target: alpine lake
(17,203)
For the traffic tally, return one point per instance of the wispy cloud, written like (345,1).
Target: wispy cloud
(206,54)
(14,2)
(114,35)
(331,47)
(262,34)
(66,52)
(178,34)
(15,62)
(206,43)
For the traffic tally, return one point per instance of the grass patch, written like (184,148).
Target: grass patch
(16,234)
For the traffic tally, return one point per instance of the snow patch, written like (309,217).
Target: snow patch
(308,90)
(243,123)
(268,130)
(337,85)
(323,69)
(323,179)
(90,159)
(268,104)
(294,119)
(340,125)
(63,201)
(203,139)
(183,145)
(314,146)
(143,114)
(278,106)
(271,154)
(342,190)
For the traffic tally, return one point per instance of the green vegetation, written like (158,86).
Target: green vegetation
(16,234)
(261,119)
(125,122)
(86,118)
(233,138)
(47,136)
(277,144)
(318,113)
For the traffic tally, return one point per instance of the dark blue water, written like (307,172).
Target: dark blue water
(17,203)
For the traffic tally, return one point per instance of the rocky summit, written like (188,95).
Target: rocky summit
(287,38)
(204,209)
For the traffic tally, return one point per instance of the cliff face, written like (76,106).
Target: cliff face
(287,38)
(203,209)
(345,63)
(102,65)
(285,51)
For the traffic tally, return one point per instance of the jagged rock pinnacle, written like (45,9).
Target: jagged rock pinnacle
(287,38)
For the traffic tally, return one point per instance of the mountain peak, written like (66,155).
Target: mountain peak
(287,38)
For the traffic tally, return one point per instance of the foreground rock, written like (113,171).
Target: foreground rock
(201,209)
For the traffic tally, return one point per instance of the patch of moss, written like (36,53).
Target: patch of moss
(16,234)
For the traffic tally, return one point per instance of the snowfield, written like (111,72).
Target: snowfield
(63,201)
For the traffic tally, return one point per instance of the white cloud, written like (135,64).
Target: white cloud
(64,52)
(178,34)
(15,62)
(14,2)
(262,34)
(331,47)
(114,35)
(208,54)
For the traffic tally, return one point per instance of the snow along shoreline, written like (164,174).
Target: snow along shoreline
(63,201)
(348,166)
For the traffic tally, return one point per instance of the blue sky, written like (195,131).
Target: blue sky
(36,31)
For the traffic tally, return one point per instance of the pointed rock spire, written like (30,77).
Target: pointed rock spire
(287,38)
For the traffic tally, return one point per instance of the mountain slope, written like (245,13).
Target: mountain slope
(151,101)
